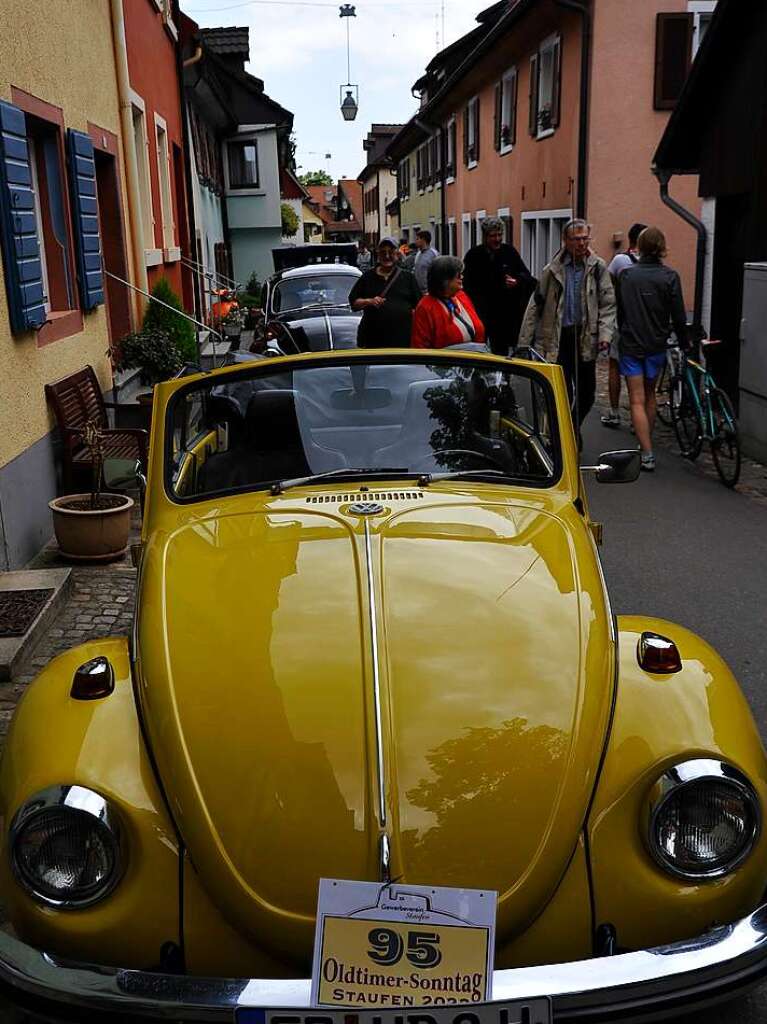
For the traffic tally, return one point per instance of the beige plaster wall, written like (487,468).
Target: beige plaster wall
(61,52)
(625,131)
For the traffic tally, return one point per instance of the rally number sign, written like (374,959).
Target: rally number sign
(387,945)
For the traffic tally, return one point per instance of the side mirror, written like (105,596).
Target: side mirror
(617,467)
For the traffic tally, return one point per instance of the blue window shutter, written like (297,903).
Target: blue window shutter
(18,225)
(82,181)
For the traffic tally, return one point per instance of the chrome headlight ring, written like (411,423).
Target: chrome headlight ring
(87,809)
(684,776)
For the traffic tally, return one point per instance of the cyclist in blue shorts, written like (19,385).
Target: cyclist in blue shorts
(651,305)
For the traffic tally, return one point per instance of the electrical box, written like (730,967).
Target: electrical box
(753,362)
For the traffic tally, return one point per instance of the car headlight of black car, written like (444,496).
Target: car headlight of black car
(65,848)
(704,819)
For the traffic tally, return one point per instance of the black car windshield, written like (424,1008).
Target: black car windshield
(320,289)
(358,419)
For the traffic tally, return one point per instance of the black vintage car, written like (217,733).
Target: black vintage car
(306,309)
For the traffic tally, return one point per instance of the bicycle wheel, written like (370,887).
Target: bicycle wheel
(663,396)
(685,419)
(725,447)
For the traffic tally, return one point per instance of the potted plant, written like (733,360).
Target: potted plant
(154,353)
(92,527)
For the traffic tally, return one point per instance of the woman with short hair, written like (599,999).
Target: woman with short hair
(651,305)
(446,315)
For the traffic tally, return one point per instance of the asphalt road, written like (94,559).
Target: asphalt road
(680,545)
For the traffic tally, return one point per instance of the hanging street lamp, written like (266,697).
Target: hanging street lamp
(350,102)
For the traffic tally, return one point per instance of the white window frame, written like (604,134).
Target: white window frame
(479,216)
(698,8)
(152,255)
(534,226)
(452,135)
(247,133)
(547,45)
(472,106)
(39,221)
(506,112)
(465,233)
(450,226)
(166,192)
(504,212)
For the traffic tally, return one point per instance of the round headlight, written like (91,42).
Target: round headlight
(704,819)
(65,847)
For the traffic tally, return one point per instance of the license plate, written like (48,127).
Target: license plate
(524,1011)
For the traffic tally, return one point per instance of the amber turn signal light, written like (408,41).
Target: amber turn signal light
(93,680)
(658,654)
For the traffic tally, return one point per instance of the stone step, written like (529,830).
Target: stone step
(211,350)
(12,648)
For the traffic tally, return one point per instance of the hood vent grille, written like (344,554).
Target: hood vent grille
(341,499)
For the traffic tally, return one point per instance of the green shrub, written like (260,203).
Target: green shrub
(290,221)
(253,287)
(158,318)
(247,300)
(152,351)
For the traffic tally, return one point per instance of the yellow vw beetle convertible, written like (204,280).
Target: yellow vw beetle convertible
(373,642)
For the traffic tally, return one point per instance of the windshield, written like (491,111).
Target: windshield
(312,290)
(359,419)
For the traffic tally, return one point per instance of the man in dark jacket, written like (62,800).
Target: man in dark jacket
(651,304)
(499,284)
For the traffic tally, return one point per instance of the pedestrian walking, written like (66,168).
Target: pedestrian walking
(424,257)
(364,256)
(620,262)
(571,315)
(446,315)
(499,284)
(651,305)
(387,296)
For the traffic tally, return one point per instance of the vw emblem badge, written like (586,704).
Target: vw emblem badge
(366,508)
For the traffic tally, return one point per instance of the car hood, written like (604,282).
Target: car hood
(257,667)
(322,330)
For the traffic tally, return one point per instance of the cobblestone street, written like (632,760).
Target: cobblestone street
(99,604)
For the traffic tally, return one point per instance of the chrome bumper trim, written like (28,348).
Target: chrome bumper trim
(629,987)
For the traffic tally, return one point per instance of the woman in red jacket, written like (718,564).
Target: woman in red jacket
(446,316)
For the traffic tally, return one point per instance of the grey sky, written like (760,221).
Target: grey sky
(299,49)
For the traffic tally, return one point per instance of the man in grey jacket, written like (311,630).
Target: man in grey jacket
(424,258)
(571,315)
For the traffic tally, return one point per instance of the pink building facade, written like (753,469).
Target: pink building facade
(512,126)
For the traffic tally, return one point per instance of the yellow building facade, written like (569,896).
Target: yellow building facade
(57,67)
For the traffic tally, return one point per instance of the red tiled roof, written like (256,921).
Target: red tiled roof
(353,192)
(344,226)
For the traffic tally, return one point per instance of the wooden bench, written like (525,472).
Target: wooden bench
(76,400)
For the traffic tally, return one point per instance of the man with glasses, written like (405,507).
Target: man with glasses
(571,315)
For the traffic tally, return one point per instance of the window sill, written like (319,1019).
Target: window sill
(450,180)
(545,134)
(60,324)
(152,257)
(505,150)
(472,164)
(172,255)
(246,191)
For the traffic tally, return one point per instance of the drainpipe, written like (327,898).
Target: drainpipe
(131,159)
(428,127)
(191,226)
(581,7)
(664,177)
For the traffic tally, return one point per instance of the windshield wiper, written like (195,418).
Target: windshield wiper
(280,486)
(459,474)
(314,305)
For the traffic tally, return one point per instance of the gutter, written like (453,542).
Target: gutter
(664,176)
(131,160)
(191,226)
(581,7)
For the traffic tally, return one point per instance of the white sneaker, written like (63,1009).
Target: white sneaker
(611,419)
(648,462)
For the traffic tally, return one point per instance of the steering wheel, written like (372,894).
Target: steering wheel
(472,454)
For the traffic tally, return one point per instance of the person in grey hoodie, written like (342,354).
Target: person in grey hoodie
(651,304)
(424,257)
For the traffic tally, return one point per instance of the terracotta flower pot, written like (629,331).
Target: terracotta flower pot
(91,535)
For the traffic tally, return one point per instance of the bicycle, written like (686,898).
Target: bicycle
(700,411)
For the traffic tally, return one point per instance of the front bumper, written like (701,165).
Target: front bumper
(647,985)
